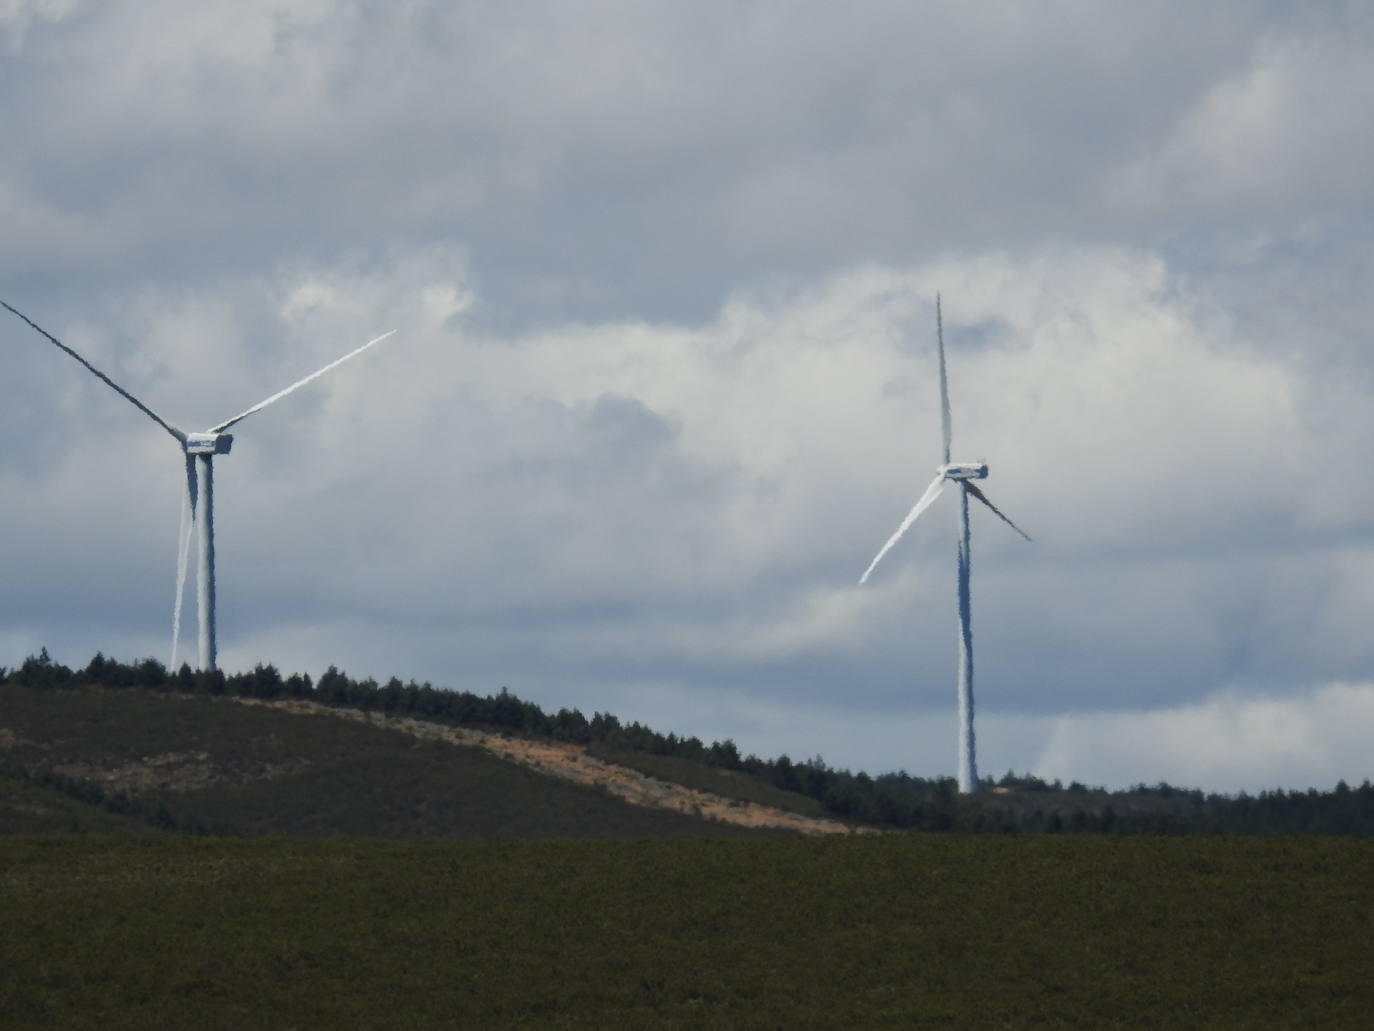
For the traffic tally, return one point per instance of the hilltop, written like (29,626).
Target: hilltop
(136,747)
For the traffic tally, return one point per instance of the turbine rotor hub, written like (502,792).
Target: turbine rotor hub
(964,470)
(209,443)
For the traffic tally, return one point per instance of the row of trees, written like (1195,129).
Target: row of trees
(1013,804)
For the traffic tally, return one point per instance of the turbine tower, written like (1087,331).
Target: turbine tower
(199,450)
(963,473)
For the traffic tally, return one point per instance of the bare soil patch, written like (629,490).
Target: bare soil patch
(173,771)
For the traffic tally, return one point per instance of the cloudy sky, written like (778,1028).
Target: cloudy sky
(664,279)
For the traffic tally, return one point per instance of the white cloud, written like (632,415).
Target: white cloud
(1284,133)
(17,15)
(1228,742)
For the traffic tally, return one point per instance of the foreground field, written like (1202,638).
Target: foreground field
(890,931)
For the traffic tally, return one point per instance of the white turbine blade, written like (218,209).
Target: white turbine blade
(945,427)
(181,437)
(932,492)
(188,522)
(298,384)
(995,510)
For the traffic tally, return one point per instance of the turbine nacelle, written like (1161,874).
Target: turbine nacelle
(964,470)
(208,443)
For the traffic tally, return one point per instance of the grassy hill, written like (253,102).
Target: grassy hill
(195,762)
(29,808)
(213,767)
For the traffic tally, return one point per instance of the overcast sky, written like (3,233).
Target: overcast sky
(664,278)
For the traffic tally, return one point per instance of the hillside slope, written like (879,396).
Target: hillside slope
(576,764)
(627,762)
(30,808)
(227,765)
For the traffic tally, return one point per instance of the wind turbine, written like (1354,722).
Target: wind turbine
(200,450)
(962,473)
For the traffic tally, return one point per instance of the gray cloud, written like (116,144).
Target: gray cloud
(663,379)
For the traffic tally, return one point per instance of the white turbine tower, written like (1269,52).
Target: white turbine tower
(963,473)
(199,449)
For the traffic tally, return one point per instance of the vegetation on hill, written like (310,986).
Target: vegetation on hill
(41,802)
(204,764)
(897,800)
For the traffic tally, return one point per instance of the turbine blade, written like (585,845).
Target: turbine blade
(945,428)
(181,437)
(968,485)
(188,522)
(932,492)
(298,384)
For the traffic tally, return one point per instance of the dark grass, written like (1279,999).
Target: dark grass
(34,809)
(244,769)
(779,932)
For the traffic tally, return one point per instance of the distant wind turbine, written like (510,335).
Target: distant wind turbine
(963,473)
(200,488)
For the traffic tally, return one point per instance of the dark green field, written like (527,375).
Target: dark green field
(777,932)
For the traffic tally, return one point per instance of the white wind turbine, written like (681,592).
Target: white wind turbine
(963,473)
(199,448)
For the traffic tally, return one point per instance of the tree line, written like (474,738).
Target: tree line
(1010,804)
